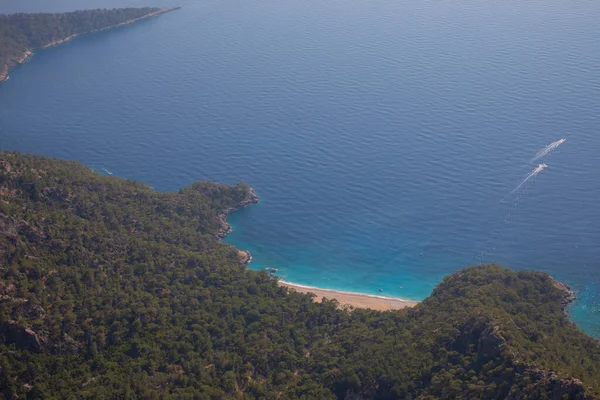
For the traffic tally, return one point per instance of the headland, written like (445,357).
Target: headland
(18,59)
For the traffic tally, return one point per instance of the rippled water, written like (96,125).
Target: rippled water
(384,137)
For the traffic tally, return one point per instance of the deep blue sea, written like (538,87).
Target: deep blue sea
(384,137)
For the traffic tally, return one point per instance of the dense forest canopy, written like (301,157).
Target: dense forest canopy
(109,289)
(20,33)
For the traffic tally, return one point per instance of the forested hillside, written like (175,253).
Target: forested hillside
(21,33)
(111,290)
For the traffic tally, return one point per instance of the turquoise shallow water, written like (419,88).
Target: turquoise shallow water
(383,137)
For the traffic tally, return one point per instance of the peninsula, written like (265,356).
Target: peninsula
(22,34)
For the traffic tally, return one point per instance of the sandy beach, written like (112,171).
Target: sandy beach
(357,300)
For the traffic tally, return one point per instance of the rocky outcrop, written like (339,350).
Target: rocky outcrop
(67,345)
(245,256)
(12,332)
(491,343)
(225,229)
(23,338)
(13,63)
(569,295)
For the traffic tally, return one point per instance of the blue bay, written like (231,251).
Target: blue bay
(383,137)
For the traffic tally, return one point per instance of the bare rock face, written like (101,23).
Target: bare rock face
(569,295)
(68,345)
(11,332)
(490,343)
(225,229)
(24,338)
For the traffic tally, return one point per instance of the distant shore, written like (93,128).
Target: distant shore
(4,73)
(356,300)
(130,21)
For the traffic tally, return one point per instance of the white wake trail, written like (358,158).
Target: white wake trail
(548,149)
(533,173)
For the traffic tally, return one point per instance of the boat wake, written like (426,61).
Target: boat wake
(532,174)
(548,149)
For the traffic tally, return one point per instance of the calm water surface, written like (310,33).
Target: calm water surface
(384,137)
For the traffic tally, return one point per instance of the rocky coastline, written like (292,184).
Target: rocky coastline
(225,229)
(4,72)
(19,61)
(568,293)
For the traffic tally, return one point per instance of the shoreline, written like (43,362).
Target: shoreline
(128,22)
(4,74)
(28,53)
(244,255)
(344,298)
(352,299)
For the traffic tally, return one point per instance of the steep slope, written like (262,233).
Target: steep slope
(485,332)
(111,290)
(20,34)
